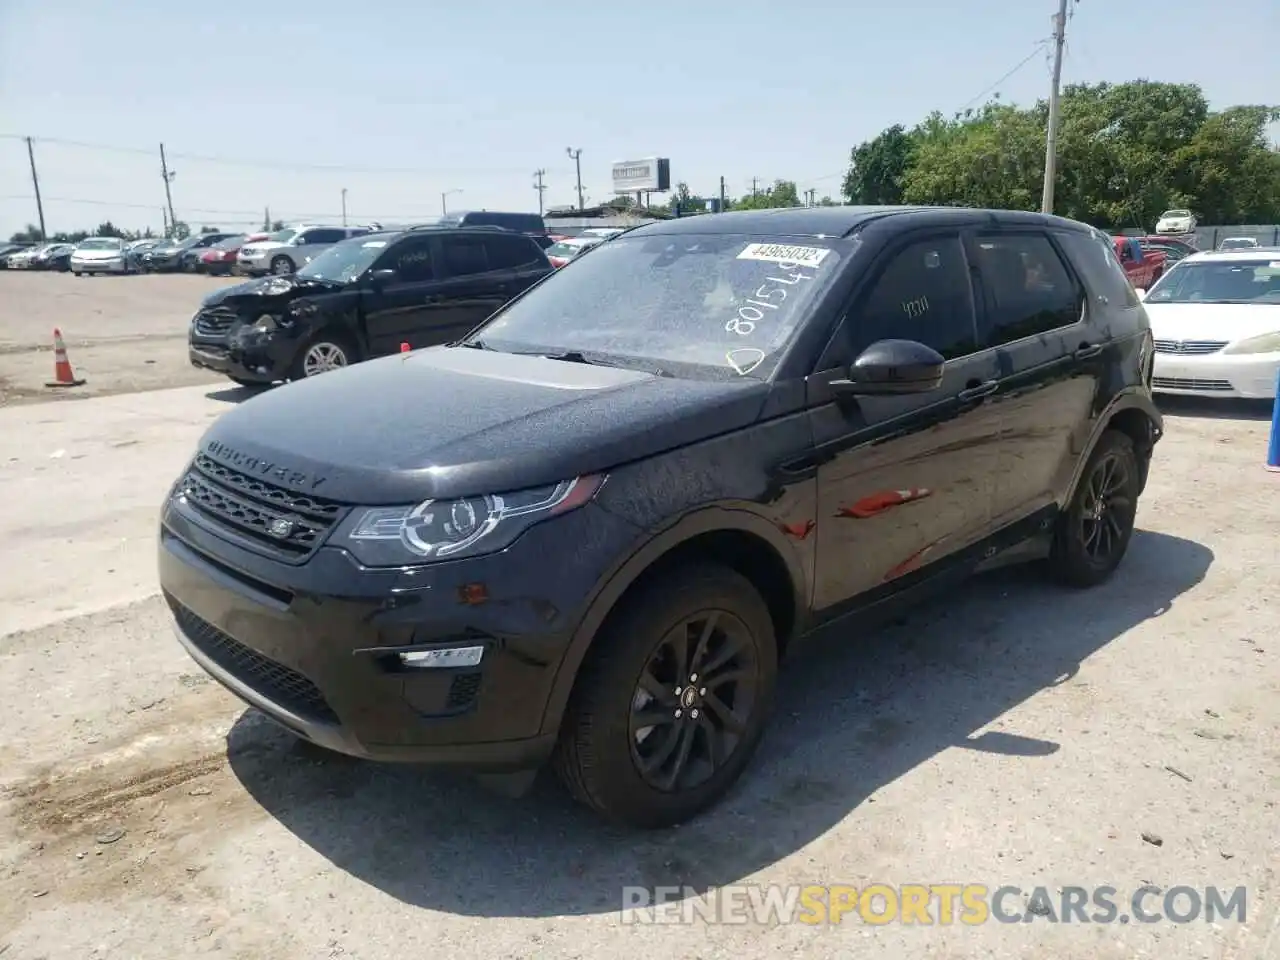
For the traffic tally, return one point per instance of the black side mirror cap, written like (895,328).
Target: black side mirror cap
(893,368)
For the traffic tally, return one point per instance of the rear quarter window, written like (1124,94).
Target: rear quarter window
(1094,258)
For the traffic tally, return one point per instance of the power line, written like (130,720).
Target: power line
(1035,51)
(254,216)
(263,164)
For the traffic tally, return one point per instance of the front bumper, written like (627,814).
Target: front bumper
(100,266)
(314,645)
(162,264)
(1240,376)
(261,361)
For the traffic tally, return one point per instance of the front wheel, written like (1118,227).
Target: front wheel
(1094,531)
(281,266)
(672,700)
(323,353)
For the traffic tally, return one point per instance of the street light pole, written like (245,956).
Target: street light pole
(344,206)
(443,206)
(576,157)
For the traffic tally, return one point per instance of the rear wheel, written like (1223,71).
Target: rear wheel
(1093,533)
(281,265)
(673,699)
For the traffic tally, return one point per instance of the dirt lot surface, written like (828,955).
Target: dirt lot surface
(123,334)
(1013,733)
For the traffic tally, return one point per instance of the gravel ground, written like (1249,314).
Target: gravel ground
(1013,733)
(123,334)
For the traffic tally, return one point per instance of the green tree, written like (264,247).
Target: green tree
(277,225)
(29,235)
(877,167)
(205,228)
(783,193)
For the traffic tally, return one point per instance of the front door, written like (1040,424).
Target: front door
(905,482)
(405,309)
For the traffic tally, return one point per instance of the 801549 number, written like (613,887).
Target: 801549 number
(765,298)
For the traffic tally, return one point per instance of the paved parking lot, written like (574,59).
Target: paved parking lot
(123,334)
(1014,733)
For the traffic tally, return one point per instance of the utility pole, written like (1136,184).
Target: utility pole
(576,157)
(722,195)
(35,182)
(1051,135)
(266,219)
(539,186)
(344,206)
(754,185)
(168,179)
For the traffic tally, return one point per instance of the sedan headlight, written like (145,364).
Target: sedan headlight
(452,529)
(1267,343)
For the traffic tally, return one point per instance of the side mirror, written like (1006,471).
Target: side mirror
(380,278)
(893,368)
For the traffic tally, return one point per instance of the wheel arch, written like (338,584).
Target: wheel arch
(1134,414)
(737,538)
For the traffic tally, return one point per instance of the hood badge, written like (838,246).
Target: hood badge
(260,467)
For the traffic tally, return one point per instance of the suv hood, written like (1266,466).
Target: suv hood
(452,421)
(273,290)
(1211,321)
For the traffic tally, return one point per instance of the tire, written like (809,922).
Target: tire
(322,344)
(282,265)
(78,273)
(1087,548)
(598,753)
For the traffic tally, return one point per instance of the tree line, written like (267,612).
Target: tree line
(179,231)
(1126,153)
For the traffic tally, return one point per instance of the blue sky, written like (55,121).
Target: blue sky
(414,98)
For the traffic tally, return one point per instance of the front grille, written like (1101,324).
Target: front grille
(1190,347)
(289,524)
(1191,383)
(272,680)
(215,321)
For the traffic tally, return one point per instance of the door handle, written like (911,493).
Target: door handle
(979,390)
(1087,350)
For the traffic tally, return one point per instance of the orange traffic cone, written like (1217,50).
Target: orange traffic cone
(404,348)
(63,376)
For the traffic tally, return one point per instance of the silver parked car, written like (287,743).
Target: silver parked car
(99,255)
(292,248)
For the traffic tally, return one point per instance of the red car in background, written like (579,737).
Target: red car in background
(220,259)
(1142,266)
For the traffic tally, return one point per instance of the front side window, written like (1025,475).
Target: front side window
(1028,288)
(707,305)
(923,295)
(411,260)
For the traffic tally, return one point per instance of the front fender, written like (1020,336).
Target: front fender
(649,549)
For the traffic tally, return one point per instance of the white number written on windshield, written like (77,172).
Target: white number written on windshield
(765,298)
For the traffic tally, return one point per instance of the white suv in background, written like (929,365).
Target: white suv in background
(292,248)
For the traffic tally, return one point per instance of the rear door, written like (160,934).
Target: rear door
(520,259)
(473,285)
(1050,359)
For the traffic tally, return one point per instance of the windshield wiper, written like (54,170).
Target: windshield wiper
(473,344)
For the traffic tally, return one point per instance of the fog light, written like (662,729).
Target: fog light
(446,657)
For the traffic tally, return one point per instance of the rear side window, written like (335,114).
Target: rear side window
(1095,259)
(512,253)
(464,256)
(1028,288)
(324,236)
(923,295)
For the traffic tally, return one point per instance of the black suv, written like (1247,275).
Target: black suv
(530,224)
(361,298)
(590,530)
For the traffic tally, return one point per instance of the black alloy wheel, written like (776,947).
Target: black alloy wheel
(1094,532)
(693,700)
(672,698)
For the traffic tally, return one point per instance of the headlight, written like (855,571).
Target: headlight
(1267,343)
(450,529)
(266,323)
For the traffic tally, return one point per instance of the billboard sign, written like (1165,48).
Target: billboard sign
(651,175)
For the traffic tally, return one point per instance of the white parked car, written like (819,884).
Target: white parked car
(1238,243)
(22,260)
(289,250)
(1215,318)
(99,255)
(1176,221)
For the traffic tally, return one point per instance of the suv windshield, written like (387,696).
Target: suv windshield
(1176,214)
(726,304)
(345,260)
(1228,281)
